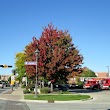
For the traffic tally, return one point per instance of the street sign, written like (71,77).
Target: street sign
(12,79)
(30,63)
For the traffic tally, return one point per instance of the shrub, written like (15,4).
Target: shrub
(80,84)
(26,91)
(55,90)
(23,86)
(65,92)
(45,90)
(33,92)
(31,87)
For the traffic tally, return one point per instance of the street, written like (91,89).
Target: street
(101,101)
(68,106)
(13,105)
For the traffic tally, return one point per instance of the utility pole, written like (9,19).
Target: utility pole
(37,53)
(108,70)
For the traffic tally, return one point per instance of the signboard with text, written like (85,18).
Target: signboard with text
(12,79)
(30,63)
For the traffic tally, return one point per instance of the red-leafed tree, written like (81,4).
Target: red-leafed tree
(30,56)
(58,58)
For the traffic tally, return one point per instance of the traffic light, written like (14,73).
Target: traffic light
(1,65)
(5,66)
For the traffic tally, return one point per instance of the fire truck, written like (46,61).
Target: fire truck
(94,83)
(106,83)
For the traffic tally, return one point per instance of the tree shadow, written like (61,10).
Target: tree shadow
(83,90)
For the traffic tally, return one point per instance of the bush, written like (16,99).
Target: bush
(45,90)
(80,84)
(33,92)
(26,91)
(55,90)
(65,92)
(31,87)
(23,86)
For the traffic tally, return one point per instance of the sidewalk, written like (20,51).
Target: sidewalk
(16,94)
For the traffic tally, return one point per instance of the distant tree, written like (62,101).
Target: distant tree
(88,73)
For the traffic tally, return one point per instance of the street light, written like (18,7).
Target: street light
(108,70)
(26,79)
(37,53)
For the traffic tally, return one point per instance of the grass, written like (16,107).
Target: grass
(57,97)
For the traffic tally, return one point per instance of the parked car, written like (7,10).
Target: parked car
(73,86)
(60,87)
(1,84)
(7,84)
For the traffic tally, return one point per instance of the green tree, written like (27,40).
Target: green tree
(88,73)
(20,66)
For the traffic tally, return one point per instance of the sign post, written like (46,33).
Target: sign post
(12,81)
(34,63)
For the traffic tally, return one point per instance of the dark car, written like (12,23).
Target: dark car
(73,86)
(60,87)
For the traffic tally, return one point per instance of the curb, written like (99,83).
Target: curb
(48,101)
(52,101)
(87,99)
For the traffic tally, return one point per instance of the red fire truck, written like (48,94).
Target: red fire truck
(103,83)
(91,84)
(106,83)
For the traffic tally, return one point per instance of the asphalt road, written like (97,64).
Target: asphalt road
(68,106)
(100,101)
(13,105)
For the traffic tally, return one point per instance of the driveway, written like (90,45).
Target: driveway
(100,101)
(99,96)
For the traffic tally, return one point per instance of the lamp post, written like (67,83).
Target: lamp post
(108,70)
(26,79)
(37,53)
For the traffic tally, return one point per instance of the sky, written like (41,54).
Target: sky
(88,23)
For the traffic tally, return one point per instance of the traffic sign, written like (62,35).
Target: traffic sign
(30,63)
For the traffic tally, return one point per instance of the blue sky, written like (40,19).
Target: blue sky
(88,22)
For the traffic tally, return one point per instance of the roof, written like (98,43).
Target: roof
(102,74)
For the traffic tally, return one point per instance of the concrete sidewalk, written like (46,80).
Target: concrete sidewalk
(16,94)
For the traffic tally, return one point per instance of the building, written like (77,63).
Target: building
(102,74)
(4,77)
